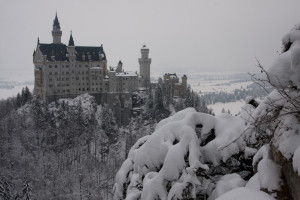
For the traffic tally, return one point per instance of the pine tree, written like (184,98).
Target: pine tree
(108,122)
(27,95)
(189,98)
(19,100)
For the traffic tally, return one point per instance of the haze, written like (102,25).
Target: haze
(183,36)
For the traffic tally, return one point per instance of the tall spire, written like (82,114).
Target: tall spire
(56,22)
(56,32)
(71,41)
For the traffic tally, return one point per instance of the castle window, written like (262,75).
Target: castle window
(79,89)
(67,72)
(63,72)
(55,73)
(50,85)
(58,90)
(78,72)
(50,73)
(67,66)
(86,65)
(55,66)
(88,89)
(79,65)
(62,79)
(50,66)
(63,66)
(82,89)
(92,89)
(68,90)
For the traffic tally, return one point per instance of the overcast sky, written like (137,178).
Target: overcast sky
(183,35)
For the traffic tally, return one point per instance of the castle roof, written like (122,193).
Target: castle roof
(57,50)
(60,52)
(85,51)
(71,41)
(56,22)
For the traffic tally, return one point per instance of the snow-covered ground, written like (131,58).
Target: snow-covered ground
(234,107)
(207,86)
(208,83)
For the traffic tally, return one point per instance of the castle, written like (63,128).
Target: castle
(178,89)
(66,71)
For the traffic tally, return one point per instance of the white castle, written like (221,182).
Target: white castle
(66,71)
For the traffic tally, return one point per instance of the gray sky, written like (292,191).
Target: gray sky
(183,35)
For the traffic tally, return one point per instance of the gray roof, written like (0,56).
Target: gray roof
(60,52)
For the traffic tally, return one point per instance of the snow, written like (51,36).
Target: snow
(244,193)
(227,142)
(254,182)
(234,107)
(163,156)
(126,74)
(296,160)
(287,67)
(268,172)
(88,106)
(249,152)
(227,183)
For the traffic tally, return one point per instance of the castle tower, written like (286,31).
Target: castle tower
(119,67)
(56,32)
(145,62)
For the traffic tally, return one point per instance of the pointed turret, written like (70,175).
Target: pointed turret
(71,41)
(56,22)
(56,32)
